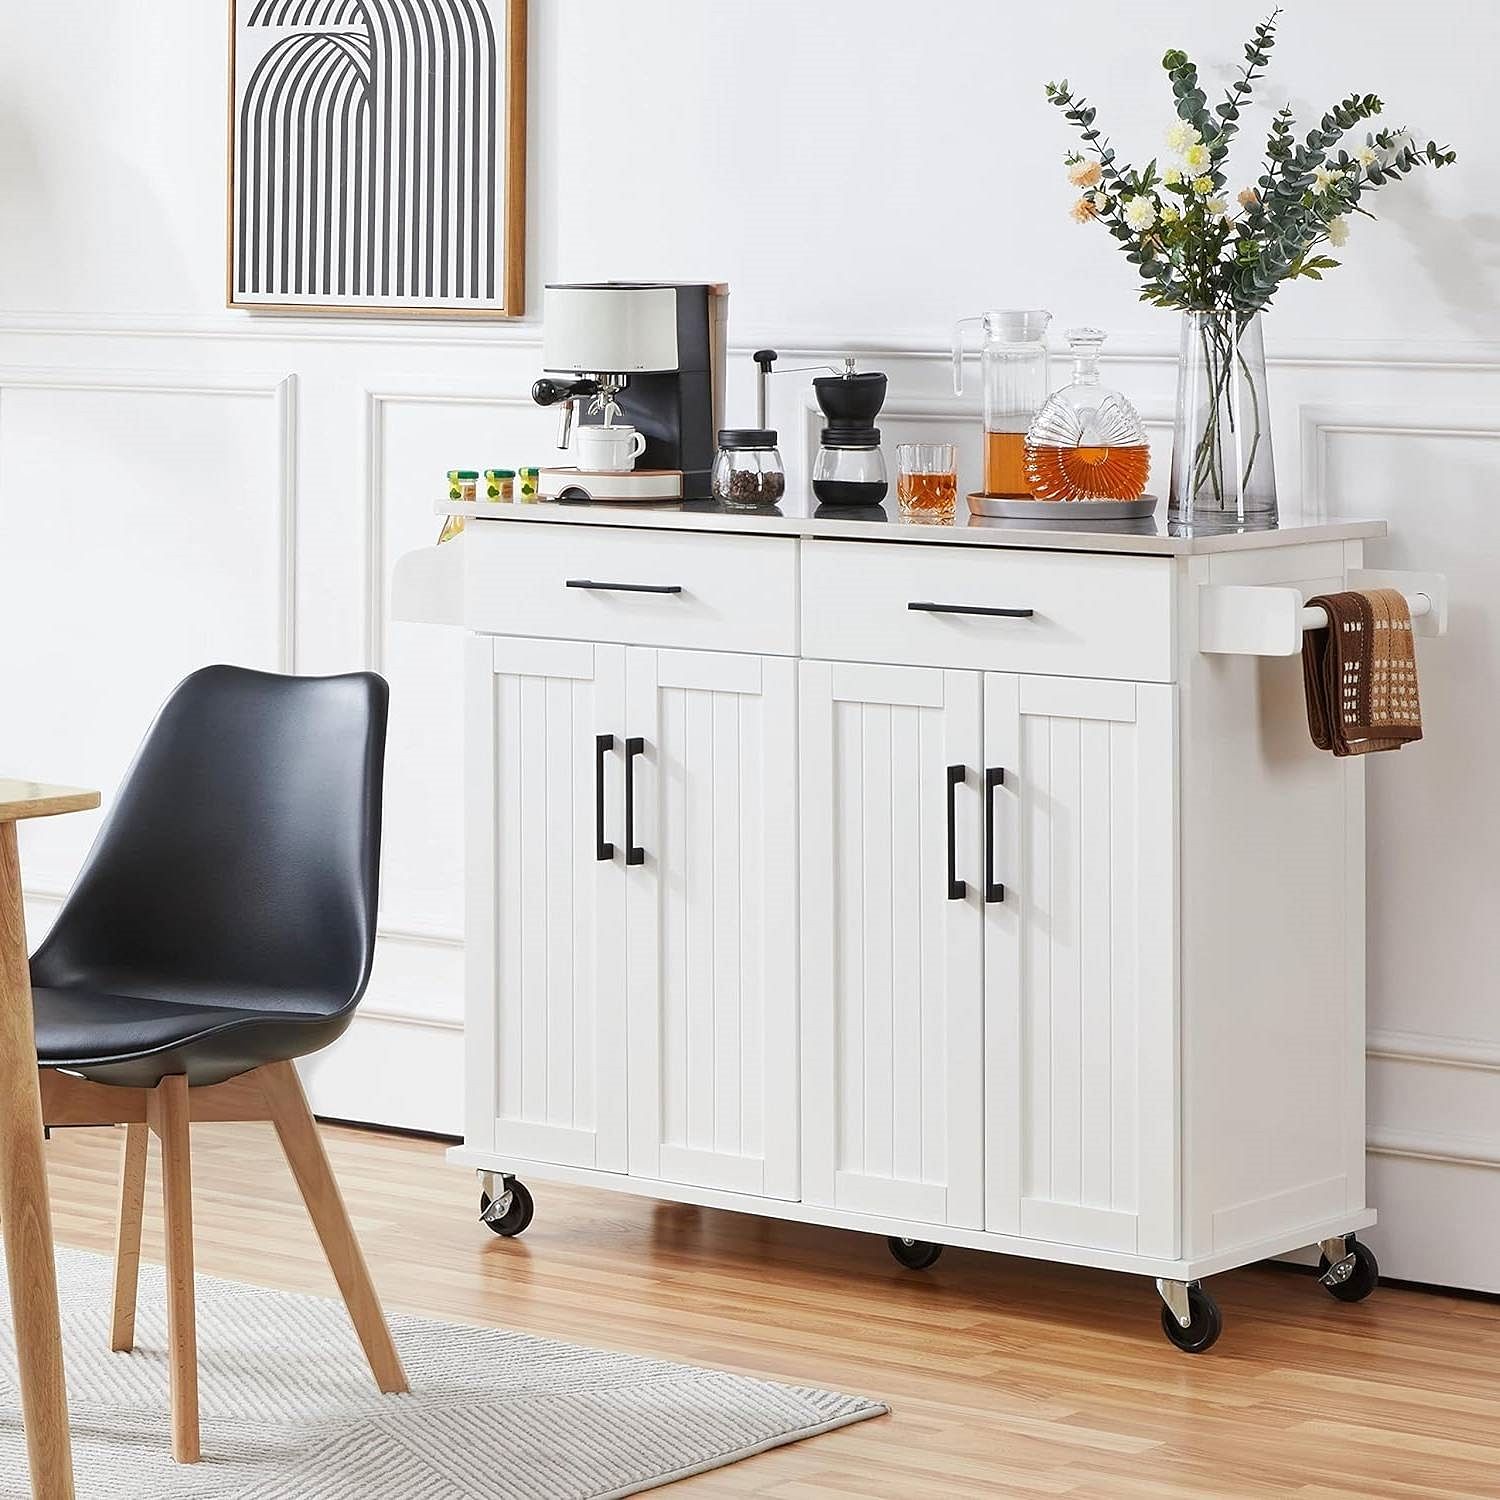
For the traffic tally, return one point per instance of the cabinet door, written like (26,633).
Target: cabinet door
(546,933)
(712,919)
(1080,963)
(893,1115)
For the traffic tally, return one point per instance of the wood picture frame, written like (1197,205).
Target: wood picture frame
(373,167)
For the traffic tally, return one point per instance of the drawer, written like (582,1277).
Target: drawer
(728,593)
(1092,615)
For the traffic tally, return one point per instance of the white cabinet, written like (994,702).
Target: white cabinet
(1080,962)
(633,893)
(979,894)
(545,1014)
(712,942)
(892,1004)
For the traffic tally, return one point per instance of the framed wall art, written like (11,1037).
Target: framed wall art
(377,156)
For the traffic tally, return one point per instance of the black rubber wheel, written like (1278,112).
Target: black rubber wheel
(1364,1279)
(516,1217)
(915,1255)
(1203,1332)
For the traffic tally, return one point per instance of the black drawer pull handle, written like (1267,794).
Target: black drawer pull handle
(633,854)
(993,776)
(625,588)
(927,607)
(603,744)
(957,890)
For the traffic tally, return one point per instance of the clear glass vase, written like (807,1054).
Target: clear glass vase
(1223,470)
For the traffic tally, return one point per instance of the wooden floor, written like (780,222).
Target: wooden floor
(1005,1377)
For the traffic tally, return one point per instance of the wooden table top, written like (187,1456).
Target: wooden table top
(35,799)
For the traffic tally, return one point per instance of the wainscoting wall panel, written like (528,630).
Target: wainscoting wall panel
(170,518)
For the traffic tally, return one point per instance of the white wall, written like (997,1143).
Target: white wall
(179,484)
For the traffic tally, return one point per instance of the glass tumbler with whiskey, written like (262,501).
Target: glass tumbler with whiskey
(1013,363)
(1087,442)
(927,481)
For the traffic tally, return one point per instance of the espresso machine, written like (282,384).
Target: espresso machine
(644,354)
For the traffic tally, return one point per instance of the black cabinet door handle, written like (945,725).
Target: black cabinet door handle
(993,776)
(633,854)
(603,744)
(957,890)
(929,608)
(624,588)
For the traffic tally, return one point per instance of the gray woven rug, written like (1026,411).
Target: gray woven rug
(289,1411)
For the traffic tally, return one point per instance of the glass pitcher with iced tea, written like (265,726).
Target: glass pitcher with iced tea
(1013,361)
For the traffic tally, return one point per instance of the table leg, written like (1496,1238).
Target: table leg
(25,1213)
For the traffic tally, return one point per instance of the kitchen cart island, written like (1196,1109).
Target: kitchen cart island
(969,885)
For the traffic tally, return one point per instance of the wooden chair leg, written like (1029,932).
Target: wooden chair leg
(300,1140)
(169,1118)
(128,1238)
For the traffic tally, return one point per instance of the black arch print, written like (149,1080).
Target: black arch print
(366,152)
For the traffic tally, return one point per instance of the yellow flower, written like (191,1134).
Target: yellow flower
(1083,210)
(1181,136)
(1084,174)
(1172,176)
(1170,213)
(1195,158)
(1249,197)
(1204,185)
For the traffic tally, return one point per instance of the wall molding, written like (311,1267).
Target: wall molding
(281,390)
(1320,422)
(1433,1051)
(1382,354)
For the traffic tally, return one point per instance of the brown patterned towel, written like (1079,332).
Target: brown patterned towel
(1361,674)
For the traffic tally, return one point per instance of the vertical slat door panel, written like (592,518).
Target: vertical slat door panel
(892,1099)
(547,933)
(712,921)
(1080,964)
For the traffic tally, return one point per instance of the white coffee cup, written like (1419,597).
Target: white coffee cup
(607,449)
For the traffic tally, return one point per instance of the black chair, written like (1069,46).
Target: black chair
(222,925)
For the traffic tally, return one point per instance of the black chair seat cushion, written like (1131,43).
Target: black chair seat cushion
(135,1043)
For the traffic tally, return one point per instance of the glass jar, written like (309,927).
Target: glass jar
(1087,442)
(849,468)
(748,472)
(1013,362)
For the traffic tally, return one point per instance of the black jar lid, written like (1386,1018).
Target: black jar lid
(747,437)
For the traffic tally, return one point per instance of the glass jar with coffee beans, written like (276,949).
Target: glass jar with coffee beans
(748,473)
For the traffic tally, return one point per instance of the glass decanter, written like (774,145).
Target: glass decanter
(1087,442)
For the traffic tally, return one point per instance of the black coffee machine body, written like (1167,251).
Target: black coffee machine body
(649,355)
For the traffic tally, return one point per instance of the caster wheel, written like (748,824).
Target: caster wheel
(915,1255)
(1362,1280)
(1206,1326)
(515,1218)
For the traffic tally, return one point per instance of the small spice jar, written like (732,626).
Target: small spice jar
(529,480)
(463,485)
(748,472)
(499,486)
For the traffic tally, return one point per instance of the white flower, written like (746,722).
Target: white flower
(1181,136)
(1367,156)
(1140,214)
(1100,202)
(1325,178)
(1338,232)
(1216,206)
(1195,158)
(1172,176)
(1203,185)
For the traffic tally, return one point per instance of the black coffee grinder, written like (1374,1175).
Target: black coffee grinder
(849,468)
